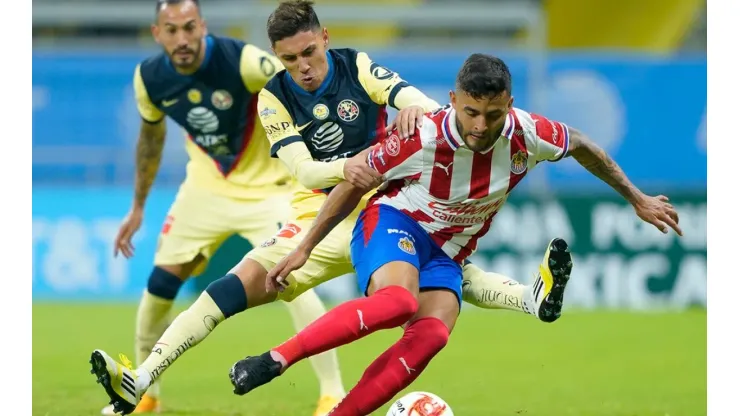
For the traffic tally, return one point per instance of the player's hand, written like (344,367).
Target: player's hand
(129,227)
(359,174)
(658,211)
(277,278)
(407,121)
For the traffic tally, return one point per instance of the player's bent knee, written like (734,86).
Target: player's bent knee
(252,276)
(404,302)
(433,331)
(228,294)
(164,283)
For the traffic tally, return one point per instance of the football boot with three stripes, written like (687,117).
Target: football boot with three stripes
(118,380)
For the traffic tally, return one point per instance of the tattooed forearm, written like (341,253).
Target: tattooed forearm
(598,162)
(148,155)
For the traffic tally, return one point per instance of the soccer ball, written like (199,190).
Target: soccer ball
(420,403)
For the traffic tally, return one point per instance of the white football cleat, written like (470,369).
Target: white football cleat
(118,380)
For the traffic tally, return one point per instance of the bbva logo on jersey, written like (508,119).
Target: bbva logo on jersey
(328,137)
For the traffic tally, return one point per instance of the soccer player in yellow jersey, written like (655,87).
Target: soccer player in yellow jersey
(209,86)
(325,107)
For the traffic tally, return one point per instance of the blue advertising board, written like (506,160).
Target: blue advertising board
(621,262)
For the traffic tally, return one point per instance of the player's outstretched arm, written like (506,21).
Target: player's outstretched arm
(655,210)
(341,201)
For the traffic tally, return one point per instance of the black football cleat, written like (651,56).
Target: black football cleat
(252,372)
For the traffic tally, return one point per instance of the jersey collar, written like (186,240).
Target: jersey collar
(449,129)
(324,85)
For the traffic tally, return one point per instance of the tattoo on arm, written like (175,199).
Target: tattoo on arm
(148,156)
(589,155)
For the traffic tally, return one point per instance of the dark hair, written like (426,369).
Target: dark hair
(291,17)
(483,76)
(162,3)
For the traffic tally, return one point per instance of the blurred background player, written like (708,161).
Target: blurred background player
(413,275)
(209,86)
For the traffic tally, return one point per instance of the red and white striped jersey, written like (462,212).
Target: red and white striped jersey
(453,192)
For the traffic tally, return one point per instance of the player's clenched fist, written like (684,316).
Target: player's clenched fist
(658,211)
(130,225)
(359,174)
(277,278)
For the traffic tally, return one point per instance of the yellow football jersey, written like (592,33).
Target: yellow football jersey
(217,108)
(314,133)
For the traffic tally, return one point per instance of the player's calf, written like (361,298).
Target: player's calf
(396,368)
(223,298)
(388,307)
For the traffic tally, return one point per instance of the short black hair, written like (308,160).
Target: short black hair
(291,17)
(162,3)
(483,76)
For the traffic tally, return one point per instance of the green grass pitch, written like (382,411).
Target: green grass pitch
(497,363)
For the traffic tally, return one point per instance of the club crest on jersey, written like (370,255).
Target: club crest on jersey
(393,145)
(519,163)
(194,96)
(320,111)
(221,99)
(348,110)
(406,245)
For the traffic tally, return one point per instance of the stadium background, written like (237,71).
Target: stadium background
(631,74)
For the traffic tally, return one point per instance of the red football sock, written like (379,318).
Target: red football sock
(396,368)
(387,308)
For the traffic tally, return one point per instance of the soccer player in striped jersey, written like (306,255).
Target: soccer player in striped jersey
(445,185)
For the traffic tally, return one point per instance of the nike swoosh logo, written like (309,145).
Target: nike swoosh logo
(169,103)
(299,128)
